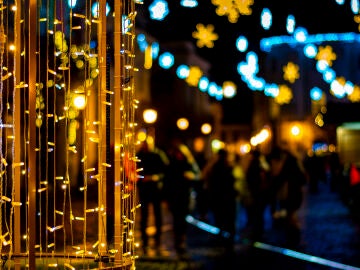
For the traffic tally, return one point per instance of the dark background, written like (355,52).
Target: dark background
(317,16)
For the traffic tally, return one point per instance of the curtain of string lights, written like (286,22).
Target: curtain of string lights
(67,144)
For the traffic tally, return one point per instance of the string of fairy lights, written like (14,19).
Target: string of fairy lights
(85,109)
(2,44)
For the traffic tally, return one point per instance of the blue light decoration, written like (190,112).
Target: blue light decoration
(241,43)
(248,71)
(310,50)
(337,89)
(321,66)
(267,43)
(290,24)
(189,3)
(141,41)
(300,34)
(316,93)
(349,87)
(155,49)
(72,3)
(93,44)
(183,71)
(143,44)
(266,18)
(340,2)
(304,257)
(354,6)
(203,84)
(271,90)
(329,75)
(95,9)
(166,60)
(215,91)
(158,10)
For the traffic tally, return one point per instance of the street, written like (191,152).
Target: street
(329,240)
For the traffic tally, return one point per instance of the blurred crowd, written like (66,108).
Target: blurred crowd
(223,184)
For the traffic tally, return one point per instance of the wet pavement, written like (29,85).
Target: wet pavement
(329,239)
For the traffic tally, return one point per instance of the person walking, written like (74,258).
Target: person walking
(289,178)
(182,170)
(259,187)
(152,163)
(220,185)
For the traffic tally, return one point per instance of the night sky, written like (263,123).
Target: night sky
(317,16)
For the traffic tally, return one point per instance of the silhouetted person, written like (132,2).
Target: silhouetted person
(258,185)
(315,168)
(291,179)
(182,170)
(150,183)
(335,171)
(220,184)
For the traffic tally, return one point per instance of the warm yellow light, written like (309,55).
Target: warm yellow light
(150,116)
(229,89)
(141,136)
(199,144)
(206,128)
(182,123)
(295,130)
(12,47)
(148,57)
(245,148)
(79,102)
(216,145)
(261,137)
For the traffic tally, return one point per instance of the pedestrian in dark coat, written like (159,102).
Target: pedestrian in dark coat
(258,185)
(182,170)
(220,185)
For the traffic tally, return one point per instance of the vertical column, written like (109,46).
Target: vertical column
(102,91)
(17,131)
(31,170)
(117,132)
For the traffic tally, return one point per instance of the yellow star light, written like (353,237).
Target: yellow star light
(233,8)
(285,95)
(355,95)
(326,53)
(195,74)
(205,35)
(291,72)
(357,20)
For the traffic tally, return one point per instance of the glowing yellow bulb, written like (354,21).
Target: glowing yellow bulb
(182,123)
(79,102)
(206,128)
(150,116)
(12,47)
(295,130)
(141,136)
